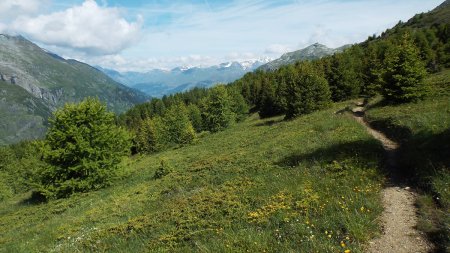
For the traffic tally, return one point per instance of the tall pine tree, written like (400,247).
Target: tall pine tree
(405,72)
(306,92)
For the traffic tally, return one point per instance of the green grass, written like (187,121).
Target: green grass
(261,186)
(423,128)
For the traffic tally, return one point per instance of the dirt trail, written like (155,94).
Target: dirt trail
(399,217)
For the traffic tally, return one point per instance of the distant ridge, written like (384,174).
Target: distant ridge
(158,82)
(312,52)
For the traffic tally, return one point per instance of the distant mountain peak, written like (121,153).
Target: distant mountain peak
(182,68)
(317,44)
(311,52)
(157,83)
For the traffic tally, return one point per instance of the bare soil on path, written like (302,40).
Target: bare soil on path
(399,218)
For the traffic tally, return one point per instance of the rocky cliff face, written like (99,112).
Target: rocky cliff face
(51,97)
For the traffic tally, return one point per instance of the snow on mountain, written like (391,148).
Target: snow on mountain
(158,82)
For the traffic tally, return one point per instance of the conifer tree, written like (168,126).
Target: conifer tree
(217,110)
(306,92)
(343,77)
(195,116)
(148,137)
(404,74)
(238,105)
(82,148)
(281,92)
(179,127)
(268,103)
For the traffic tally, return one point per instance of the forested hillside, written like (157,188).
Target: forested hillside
(273,162)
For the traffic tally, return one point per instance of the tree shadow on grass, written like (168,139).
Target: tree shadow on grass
(364,152)
(418,160)
(35,198)
(270,122)
(391,130)
(423,155)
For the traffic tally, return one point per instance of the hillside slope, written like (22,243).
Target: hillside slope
(233,191)
(29,73)
(439,15)
(22,116)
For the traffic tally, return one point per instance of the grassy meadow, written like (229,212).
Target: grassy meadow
(264,185)
(307,185)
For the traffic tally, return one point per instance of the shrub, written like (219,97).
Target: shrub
(82,148)
(163,170)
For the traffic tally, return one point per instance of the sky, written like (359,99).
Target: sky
(138,35)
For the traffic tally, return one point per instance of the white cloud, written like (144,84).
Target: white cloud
(196,33)
(13,8)
(277,49)
(264,28)
(88,28)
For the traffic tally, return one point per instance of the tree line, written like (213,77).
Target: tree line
(85,143)
(393,64)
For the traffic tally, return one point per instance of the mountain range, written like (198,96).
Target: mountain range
(312,52)
(159,82)
(34,82)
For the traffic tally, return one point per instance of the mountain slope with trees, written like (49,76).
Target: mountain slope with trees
(312,52)
(35,82)
(211,173)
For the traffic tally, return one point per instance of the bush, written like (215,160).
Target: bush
(163,170)
(5,189)
(82,148)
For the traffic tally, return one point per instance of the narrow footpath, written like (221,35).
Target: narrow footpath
(399,217)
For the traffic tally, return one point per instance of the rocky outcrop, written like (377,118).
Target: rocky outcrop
(52,97)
